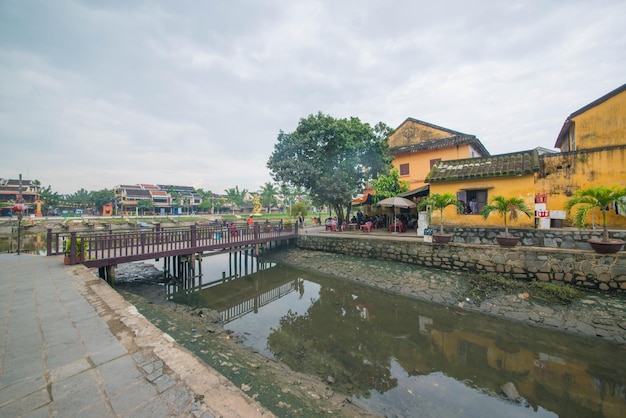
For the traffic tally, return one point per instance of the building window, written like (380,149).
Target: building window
(434,161)
(404,169)
(472,201)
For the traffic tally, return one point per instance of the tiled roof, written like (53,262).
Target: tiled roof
(138,193)
(450,141)
(175,188)
(503,165)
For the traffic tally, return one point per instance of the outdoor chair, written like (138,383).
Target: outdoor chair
(367,226)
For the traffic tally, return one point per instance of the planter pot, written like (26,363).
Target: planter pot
(507,241)
(66,260)
(442,238)
(606,247)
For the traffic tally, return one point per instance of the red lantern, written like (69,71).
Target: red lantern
(20,207)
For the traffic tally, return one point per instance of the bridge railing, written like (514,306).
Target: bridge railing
(80,247)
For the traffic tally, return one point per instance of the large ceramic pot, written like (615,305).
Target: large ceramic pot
(606,247)
(507,241)
(442,238)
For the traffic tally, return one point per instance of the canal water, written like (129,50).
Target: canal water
(403,357)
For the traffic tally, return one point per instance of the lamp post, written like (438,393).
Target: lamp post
(19,207)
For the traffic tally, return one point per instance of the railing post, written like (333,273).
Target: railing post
(158,234)
(49,242)
(193,236)
(72,248)
(143,242)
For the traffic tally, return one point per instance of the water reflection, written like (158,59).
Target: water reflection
(398,356)
(31,243)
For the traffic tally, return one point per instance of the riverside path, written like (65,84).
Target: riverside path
(72,346)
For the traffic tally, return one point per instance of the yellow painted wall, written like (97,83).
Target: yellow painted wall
(522,187)
(419,162)
(603,125)
(563,174)
(411,133)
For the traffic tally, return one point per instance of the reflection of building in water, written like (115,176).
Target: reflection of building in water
(543,379)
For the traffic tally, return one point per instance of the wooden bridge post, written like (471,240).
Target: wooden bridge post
(49,242)
(110,273)
(72,248)
(193,235)
(158,233)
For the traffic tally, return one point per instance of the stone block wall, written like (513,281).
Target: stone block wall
(551,238)
(582,268)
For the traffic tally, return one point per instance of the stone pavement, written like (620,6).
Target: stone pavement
(72,346)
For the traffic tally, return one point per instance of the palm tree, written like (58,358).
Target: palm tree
(267,195)
(511,206)
(599,197)
(439,202)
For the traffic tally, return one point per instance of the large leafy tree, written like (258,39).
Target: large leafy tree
(331,158)
(100,197)
(389,185)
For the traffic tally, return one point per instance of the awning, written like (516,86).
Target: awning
(420,191)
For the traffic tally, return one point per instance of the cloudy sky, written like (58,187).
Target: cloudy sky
(99,93)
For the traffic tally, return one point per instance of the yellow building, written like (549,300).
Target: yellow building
(475,181)
(416,146)
(593,153)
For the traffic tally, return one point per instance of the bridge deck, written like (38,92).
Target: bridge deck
(100,249)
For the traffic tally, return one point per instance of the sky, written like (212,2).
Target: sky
(95,93)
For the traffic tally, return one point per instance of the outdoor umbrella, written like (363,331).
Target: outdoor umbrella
(396,202)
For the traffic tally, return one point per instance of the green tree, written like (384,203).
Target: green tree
(267,194)
(99,198)
(144,205)
(439,202)
(78,198)
(599,197)
(389,185)
(50,198)
(235,196)
(511,206)
(331,158)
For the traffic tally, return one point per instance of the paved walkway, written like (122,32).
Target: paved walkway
(71,346)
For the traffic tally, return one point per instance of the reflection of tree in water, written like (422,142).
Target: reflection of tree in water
(336,339)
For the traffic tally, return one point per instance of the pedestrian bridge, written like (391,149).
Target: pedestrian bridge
(110,248)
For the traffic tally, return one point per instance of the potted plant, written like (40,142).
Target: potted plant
(599,197)
(439,202)
(80,250)
(511,206)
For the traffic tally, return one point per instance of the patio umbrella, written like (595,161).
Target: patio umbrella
(396,202)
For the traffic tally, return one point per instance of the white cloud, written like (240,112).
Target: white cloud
(97,94)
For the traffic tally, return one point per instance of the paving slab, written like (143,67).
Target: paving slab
(72,346)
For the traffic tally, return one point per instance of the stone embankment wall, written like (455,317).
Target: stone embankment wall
(583,268)
(551,238)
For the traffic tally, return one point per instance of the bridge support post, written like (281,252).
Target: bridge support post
(110,273)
